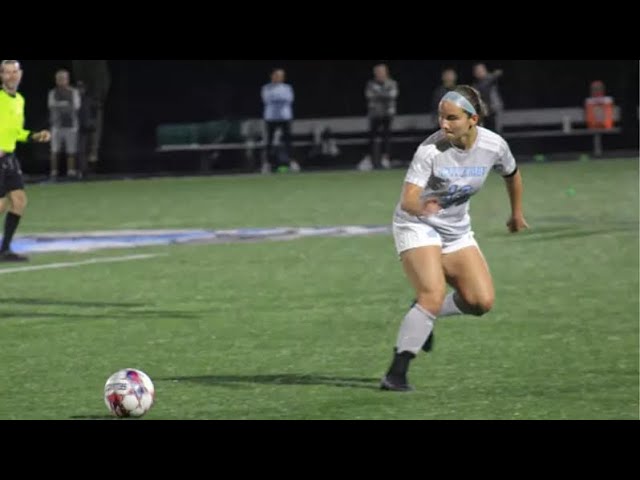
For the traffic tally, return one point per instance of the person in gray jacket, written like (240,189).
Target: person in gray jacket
(487,84)
(381,93)
(64,104)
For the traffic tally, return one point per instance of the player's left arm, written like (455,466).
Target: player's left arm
(506,165)
(41,137)
(29,136)
(24,135)
(513,182)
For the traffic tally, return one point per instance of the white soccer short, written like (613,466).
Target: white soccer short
(408,235)
(66,136)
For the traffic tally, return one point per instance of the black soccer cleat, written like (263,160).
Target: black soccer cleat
(9,256)
(395,385)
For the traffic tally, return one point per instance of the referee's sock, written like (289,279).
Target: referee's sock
(11,222)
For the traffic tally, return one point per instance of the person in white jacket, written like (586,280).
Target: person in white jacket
(278,98)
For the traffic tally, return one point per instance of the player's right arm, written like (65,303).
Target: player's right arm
(413,203)
(412,200)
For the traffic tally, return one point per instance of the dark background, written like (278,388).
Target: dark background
(146,93)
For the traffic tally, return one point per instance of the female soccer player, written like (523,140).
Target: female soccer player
(432,227)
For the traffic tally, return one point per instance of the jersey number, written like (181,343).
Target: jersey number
(457,195)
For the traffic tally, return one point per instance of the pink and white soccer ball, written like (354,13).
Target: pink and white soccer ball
(129,393)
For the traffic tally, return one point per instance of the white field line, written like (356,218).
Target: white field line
(125,258)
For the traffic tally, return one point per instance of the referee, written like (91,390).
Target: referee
(12,194)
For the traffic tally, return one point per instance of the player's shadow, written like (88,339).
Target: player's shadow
(280,379)
(67,303)
(120,309)
(94,417)
(560,232)
(141,314)
(566,233)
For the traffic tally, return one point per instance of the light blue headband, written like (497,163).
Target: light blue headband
(463,103)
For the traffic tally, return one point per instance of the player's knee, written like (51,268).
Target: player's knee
(431,300)
(19,204)
(481,305)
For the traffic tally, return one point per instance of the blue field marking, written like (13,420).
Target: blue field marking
(89,241)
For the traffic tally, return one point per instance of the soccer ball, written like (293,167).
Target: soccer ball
(129,393)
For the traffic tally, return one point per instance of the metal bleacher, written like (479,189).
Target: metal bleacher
(527,123)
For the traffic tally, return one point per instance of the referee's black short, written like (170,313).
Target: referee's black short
(10,174)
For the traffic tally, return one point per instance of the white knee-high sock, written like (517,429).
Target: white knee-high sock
(416,327)
(449,307)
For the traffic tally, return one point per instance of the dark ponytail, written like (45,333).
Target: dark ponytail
(475,100)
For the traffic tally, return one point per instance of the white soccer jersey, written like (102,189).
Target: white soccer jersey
(453,176)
